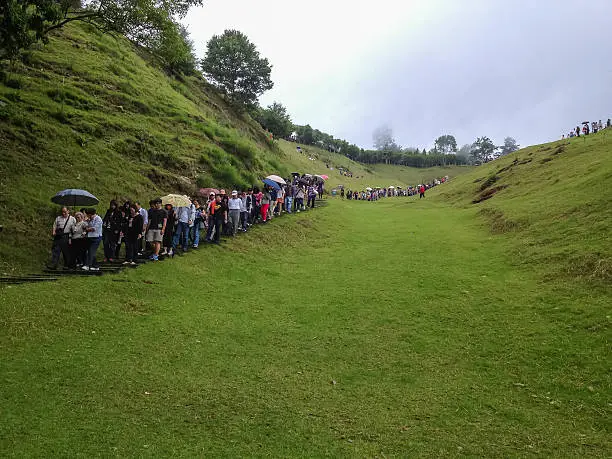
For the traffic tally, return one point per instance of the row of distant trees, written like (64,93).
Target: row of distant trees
(277,120)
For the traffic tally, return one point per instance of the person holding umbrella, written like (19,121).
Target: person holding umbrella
(62,227)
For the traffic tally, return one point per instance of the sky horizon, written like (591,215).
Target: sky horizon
(428,67)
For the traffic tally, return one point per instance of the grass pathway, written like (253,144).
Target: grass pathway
(397,328)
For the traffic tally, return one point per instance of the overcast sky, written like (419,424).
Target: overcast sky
(530,69)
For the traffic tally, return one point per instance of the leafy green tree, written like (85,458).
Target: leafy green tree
(276,119)
(446,144)
(174,48)
(233,65)
(483,149)
(509,146)
(25,22)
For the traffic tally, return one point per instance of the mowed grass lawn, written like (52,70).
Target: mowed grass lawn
(396,328)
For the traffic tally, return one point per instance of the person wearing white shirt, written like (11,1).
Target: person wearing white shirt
(235,206)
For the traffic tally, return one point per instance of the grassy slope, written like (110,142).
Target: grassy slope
(554,202)
(406,333)
(92,113)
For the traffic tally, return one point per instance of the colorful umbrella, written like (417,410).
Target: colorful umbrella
(271,183)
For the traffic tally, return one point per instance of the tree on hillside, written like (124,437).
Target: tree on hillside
(276,119)
(383,140)
(483,149)
(233,65)
(446,144)
(25,22)
(509,146)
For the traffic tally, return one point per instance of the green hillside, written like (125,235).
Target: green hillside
(553,201)
(91,111)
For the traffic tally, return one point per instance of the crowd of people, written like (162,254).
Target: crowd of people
(164,230)
(374,194)
(587,128)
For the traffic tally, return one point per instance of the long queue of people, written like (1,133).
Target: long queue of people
(164,230)
(374,194)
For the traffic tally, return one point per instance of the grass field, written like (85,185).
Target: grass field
(396,328)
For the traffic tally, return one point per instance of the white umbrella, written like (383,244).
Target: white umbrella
(368,189)
(277,179)
(176,200)
(391,187)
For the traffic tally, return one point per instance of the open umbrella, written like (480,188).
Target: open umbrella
(322,177)
(272,183)
(585,122)
(207,191)
(276,178)
(176,200)
(74,197)
(392,187)
(368,189)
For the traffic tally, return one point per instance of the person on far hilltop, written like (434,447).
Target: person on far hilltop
(94,237)
(421,191)
(594,127)
(577,131)
(609,123)
(158,218)
(599,125)
(62,227)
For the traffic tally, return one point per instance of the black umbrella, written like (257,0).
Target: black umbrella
(295,174)
(585,122)
(73,197)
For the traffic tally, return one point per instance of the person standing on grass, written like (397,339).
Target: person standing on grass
(62,227)
(288,198)
(257,197)
(158,218)
(124,212)
(577,131)
(299,199)
(210,216)
(312,195)
(170,229)
(132,235)
(78,241)
(195,233)
(234,204)
(342,193)
(184,217)
(245,210)
(422,191)
(111,225)
(145,221)
(265,205)
(94,237)
(219,210)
